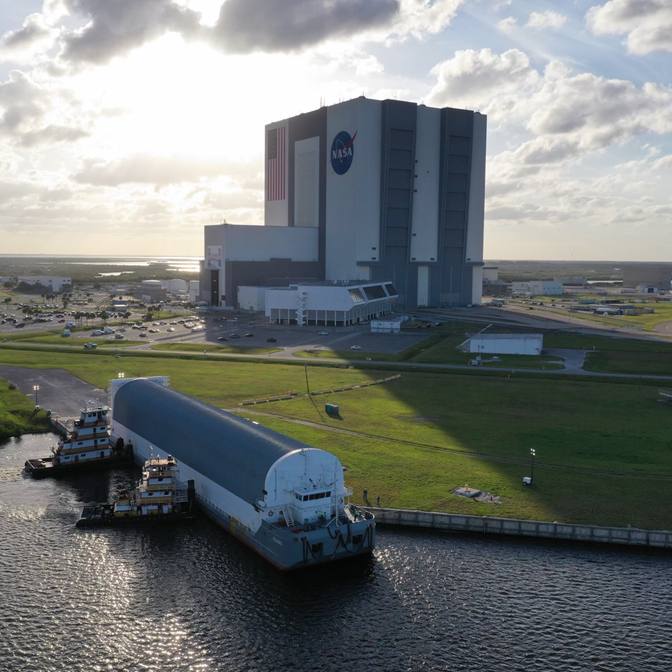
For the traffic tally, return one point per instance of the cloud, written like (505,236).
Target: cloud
(594,112)
(116,27)
(32,115)
(547,19)
(647,23)
(507,24)
(246,26)
(153,170)
(474,78)
(33,37)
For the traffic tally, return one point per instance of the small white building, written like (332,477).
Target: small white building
(538,287)
(175,285)
(252,298)
(194,289)
(387,326)
(507,344)
(51,282)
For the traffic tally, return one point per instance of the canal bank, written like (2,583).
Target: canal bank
(628,536)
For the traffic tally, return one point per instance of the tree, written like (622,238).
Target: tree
(126,315)
(8,300)
(104,316)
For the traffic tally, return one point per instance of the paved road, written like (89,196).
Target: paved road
(60,391)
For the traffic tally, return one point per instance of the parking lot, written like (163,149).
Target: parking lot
(237,330)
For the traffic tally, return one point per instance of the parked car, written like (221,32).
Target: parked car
(249,335)
(355,347)
(143,334)
(234,336)
(271,340)
(97,332)
(323,333)
(170,329)
(222,338)
(119,337)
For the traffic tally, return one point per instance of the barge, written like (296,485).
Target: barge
(283,498)
(159,497)
(87,446)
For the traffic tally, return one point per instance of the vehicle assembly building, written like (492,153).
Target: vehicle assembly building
(363,192)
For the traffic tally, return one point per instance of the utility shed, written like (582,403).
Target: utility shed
(507,344)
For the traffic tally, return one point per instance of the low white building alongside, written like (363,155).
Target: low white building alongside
(194,290)
(175,285)
(507,344)
(336,305)
(51,282)
(387,326)
(538,287)
(252,298)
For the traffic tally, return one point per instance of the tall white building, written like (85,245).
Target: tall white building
(364,191)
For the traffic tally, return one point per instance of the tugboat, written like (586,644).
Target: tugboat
(88,445)
(158,497)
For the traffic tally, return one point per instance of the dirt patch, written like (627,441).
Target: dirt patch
(476,494)
(664,328)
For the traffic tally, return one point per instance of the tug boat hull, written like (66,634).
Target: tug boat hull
(44,467)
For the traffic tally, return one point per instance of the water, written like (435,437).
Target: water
(193,598)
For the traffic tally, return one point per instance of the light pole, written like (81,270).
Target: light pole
(533,452)
(36,389)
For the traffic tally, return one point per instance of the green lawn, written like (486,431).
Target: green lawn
(636,363)
(18,415)
(425,433)
(209,347)
(590,342)
(422,478)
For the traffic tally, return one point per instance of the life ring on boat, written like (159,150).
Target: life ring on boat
(270,513)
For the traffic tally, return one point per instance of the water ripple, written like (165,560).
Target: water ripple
(192,598)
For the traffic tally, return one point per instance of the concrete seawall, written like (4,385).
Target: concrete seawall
(628,536)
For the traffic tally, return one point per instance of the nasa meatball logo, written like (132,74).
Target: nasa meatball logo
(342,152)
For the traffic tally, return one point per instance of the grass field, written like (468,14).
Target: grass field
(18,415)
(421,435)
(421,478)
(209,347)
(629,362)
(55,338)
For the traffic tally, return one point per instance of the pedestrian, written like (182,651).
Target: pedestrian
(366,495)
(378,500)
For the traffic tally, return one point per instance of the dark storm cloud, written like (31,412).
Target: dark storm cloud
(245,26)
(116,27)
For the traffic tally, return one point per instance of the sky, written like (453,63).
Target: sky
(128,125)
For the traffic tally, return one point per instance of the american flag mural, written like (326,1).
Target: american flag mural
(275,167)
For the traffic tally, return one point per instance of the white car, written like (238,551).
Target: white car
(97,332)
(322,333)
(355,347)
(170,329)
